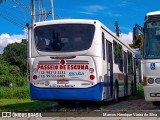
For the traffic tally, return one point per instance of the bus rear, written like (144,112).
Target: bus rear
(151,57)
(62,62)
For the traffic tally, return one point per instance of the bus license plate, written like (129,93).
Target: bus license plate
(62,81)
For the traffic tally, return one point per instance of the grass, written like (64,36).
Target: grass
(14,92)
(25,105)
(18,99)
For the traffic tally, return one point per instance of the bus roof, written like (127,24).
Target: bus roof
(66,21)
(153,13)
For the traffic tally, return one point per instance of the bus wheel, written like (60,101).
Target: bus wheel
(116,93)
(156,103)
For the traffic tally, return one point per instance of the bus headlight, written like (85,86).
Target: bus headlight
(150,80)
(91,70)
(157,80)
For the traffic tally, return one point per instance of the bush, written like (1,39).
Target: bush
(14,70)
(20,81)
(140,89)
(5,80)
(4,69)
(15,80)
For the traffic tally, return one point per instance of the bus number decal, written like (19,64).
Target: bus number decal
(51,74)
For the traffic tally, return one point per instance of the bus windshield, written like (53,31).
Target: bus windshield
(64,37)
(152,40)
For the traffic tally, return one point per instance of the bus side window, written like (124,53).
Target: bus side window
(118,55)
(115,52)
(130,63)
(103,45)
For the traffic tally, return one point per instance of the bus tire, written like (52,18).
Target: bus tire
(116,93)
(156,103)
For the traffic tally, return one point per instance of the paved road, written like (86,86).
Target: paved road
(124,105)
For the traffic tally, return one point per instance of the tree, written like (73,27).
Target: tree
(16,55)
(137,43)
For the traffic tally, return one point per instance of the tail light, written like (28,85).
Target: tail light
(145,80)
(35,77)
(91,77)
(62,62)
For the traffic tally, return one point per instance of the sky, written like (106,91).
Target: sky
(14,15)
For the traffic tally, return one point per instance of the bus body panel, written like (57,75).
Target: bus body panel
(93,93)
(149,72)
(152,93)
(73,73)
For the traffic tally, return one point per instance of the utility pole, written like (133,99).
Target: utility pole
(42,11)
(52,9)
(117,28)
(32,12)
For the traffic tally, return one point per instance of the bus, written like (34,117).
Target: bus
(151,57)
(79,60)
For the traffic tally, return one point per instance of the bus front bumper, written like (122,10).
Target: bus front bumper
(93,93)
(152,93)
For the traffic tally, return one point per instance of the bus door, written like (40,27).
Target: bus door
(135,90)
(125,74)
(109,69)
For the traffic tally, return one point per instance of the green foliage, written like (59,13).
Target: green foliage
(2,60)
(4,69)
(137,43)
(13,65)
(16,55)
(14,70)
(25,105)
(7,80)
(140,89)
(14,92)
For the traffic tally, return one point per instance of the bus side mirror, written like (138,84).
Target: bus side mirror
(135,33)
